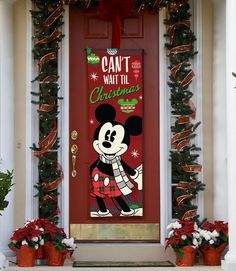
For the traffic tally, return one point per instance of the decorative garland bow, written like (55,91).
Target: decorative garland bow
(115,11)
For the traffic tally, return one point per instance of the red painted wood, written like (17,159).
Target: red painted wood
(80,38)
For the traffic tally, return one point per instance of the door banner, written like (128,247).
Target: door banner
(115,94)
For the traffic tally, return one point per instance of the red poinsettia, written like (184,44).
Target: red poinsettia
(214,234)
(29,235)
(183,233)
(37,232)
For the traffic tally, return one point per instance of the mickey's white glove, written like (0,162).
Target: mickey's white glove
(138,177)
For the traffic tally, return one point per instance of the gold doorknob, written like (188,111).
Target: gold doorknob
(74,150)
(74,135)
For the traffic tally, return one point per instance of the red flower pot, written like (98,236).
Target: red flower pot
(41,253)
(211,255)
(25,256)
(55,257)
(188,256)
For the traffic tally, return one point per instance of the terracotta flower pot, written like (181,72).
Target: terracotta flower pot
(25,256)
(41,253)
(55,257)
(188,256)
(211,255)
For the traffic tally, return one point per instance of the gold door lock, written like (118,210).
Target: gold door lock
(74,150)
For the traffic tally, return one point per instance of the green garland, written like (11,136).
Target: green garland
(47,20)
(184,153)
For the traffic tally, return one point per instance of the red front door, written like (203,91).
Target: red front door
(138,32)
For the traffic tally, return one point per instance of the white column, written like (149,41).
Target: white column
(6,116)
(230,258)
(219,112)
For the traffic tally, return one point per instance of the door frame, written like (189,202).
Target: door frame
(164,105)
(165,135)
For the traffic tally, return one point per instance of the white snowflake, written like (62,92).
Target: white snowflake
(94,76)
(91,121)
(135,153)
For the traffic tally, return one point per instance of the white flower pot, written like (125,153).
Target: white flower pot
(4,264)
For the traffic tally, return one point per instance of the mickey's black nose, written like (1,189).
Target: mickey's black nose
(106,144)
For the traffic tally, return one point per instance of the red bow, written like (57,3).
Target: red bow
(115,11)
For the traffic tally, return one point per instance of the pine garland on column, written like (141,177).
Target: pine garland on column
(184,153)
(47,20)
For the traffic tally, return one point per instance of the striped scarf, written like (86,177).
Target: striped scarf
(121,178)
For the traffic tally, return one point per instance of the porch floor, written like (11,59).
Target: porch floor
(68,267)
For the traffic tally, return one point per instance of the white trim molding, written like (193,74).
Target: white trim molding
(6,116)
(230,258)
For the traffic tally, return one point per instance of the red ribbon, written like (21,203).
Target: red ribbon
(171,29)
(186,185)
(50,186)
(182,198)
(49,79)
(115,11)
(47,143)
(55,34)
(192,168)
(181,135)
(54,16)
(182,144)
(190,214)
(176,68)
(181,49)
(47,107)
(187,79)
(45,58)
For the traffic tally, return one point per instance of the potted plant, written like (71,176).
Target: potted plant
(185,239)
(56,244)
(5,188)
(214,241)
(41,238)
(25,241)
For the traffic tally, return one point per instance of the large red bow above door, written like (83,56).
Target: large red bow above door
(115,11)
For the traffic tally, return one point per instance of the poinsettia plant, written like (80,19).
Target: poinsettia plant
(29,235)
(57,236)
(37,232)
(183,233)
(214,234)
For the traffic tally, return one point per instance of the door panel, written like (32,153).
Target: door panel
(139,32)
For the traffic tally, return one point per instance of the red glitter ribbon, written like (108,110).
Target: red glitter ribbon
(47,143)
(55,34)
(54,16)
(181,49)
(192,168)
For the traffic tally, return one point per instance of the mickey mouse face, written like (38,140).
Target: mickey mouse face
(110,140)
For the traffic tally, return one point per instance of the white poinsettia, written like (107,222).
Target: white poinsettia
(170,226)
(177,225)
(184,237)
(215,234)
(211,242)
(24,242)
(41,242)
(196,235)
(69,242)
(35,239)
(205,234)
(171,233)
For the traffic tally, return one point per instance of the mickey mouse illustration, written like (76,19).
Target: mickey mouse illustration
(109,172)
